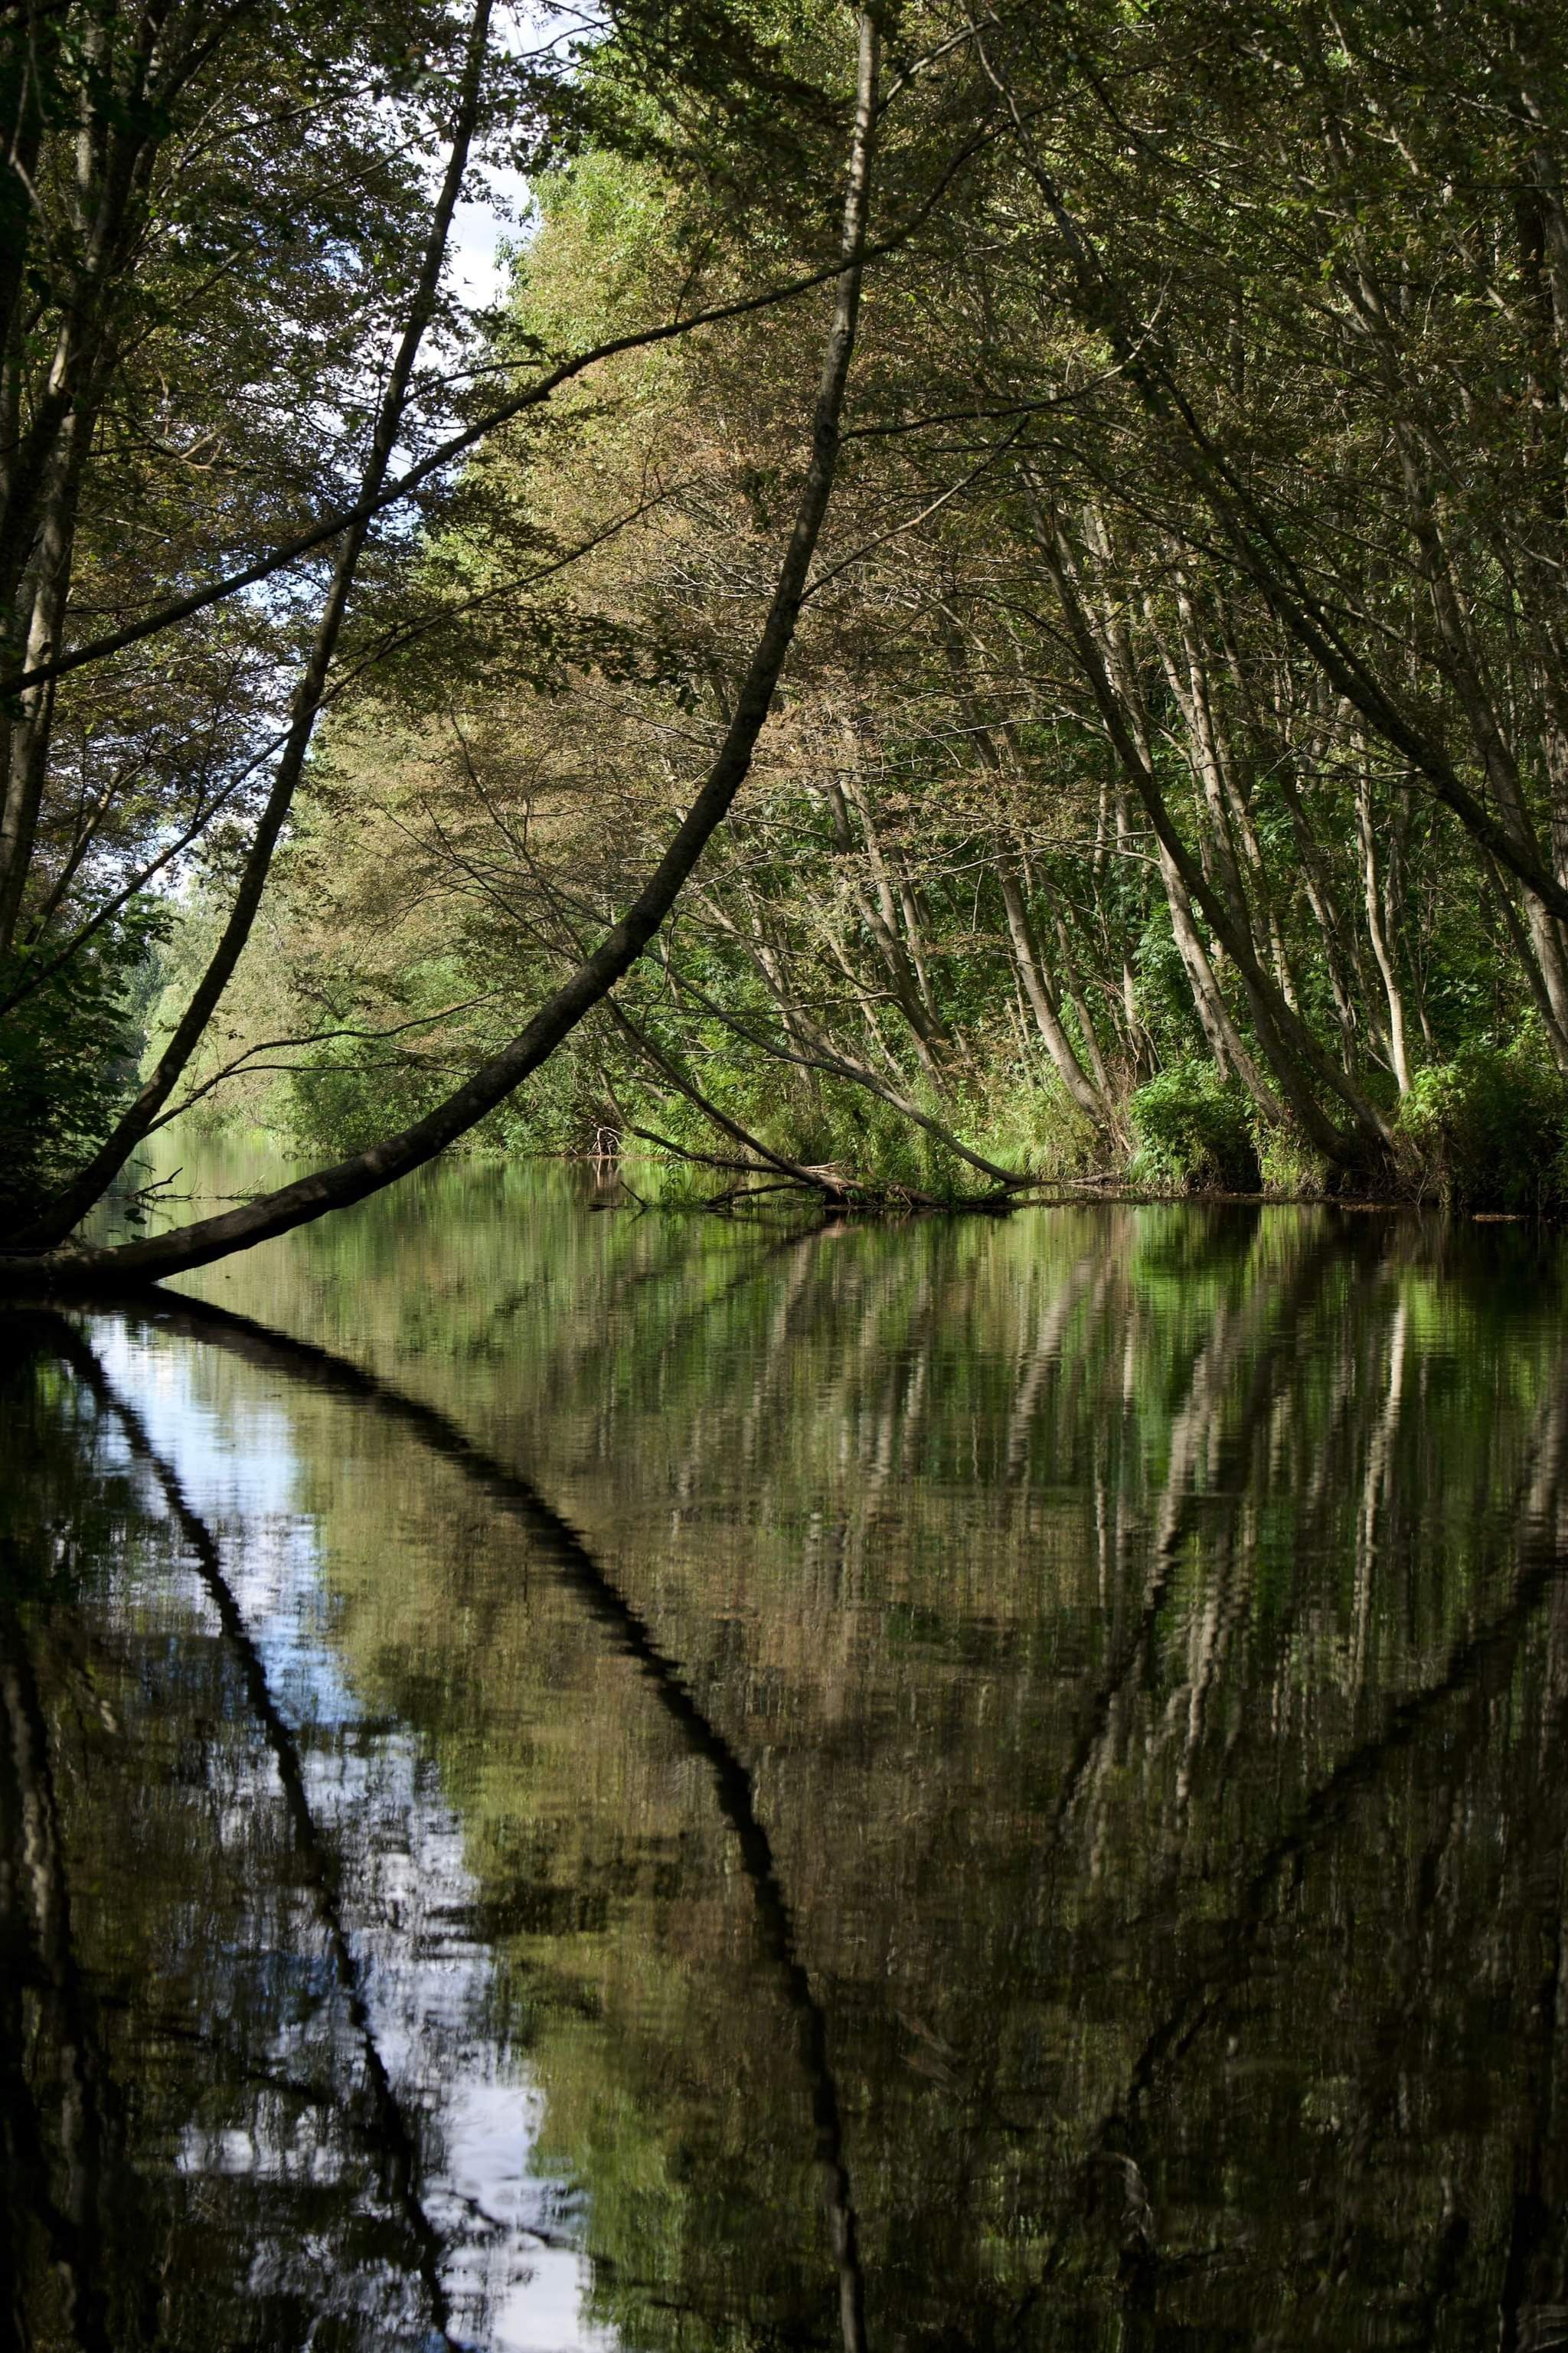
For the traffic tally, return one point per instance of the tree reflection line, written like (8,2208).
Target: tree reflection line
(1264,1333)
(1479,1664)
(579,1568)
(396,2144)
(1487,1653)
(1201,1438)
(74,2227)
(1472,1662)
(1196,1432)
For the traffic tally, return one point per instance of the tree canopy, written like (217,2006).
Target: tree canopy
(987,609)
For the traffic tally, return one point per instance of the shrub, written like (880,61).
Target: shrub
(1487,1129)
(68,1055)
(1290,1166)
(1192,1132)
(830,1123)
(1035,1125)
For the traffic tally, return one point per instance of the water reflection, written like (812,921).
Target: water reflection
(569,1779)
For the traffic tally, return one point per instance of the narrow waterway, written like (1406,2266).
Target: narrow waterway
(575,1779)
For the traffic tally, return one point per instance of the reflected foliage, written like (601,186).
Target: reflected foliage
(1078,1700)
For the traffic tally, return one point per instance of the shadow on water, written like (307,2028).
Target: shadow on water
(560,1545)
(83,2095)
(569,1556)
(395,2144)
(1145,1664)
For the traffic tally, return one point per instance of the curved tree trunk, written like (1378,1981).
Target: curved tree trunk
(382,1163)
(94,1181)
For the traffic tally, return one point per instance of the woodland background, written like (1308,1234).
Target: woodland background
(1169,779)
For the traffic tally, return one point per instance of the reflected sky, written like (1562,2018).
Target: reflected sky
(510,2265)
(572,1780)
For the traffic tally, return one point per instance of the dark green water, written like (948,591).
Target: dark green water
(611,1780)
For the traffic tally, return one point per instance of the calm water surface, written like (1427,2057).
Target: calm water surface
(577,1779)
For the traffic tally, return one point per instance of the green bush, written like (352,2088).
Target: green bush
(350,1092)
(1034,1124)
(1193,1133)
(1290,1167)
(821,1123)
(1487,1131)
(68,1055)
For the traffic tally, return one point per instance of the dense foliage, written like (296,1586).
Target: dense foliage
(1170,775)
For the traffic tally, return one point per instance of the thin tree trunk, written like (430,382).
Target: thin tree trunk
(1316,883)
(1377,932)
(879,913)
(1224,1042)
(1042,998)
(1072,981)
(94,1181)
(1518,930)
(382,1163)
(1282,1035)
(1090,1097)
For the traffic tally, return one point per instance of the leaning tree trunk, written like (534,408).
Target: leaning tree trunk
(91,1182)
(382,1163)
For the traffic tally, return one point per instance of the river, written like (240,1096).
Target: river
(579,1779)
